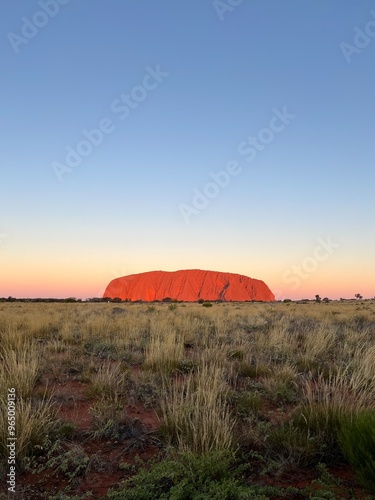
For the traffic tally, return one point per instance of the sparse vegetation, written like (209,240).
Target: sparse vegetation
(270,390)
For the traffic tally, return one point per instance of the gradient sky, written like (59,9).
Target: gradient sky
(299,215)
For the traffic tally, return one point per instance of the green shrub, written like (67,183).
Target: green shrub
(207,304)
(214,476)
(357,441)
(191,477)
(67,459)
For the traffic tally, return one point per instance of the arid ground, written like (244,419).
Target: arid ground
(175,400)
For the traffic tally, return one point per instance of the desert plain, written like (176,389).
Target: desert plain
(189,400)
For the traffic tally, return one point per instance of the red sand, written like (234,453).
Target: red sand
(188,285)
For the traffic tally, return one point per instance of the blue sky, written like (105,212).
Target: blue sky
(223,70)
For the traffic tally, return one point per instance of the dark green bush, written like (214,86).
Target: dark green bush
(208,476)
(215,476)
(357,441)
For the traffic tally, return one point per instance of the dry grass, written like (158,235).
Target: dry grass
(309,363)
(108,381)
(195,414)
(35,420)
(165,348)
(20,369)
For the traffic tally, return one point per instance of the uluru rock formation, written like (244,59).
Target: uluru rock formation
(188,285)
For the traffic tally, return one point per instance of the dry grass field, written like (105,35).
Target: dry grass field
(147,401)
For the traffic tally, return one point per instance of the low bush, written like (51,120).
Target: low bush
(209,476)
(357,441)
(69,460)
(212,476)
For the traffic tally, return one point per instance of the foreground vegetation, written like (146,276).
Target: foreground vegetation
(180,401)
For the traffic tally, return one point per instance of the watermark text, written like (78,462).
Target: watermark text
(31,27)
(362,38)
(11,440)
(249,149)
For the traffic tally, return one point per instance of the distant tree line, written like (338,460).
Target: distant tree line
(39,299)
(107,299)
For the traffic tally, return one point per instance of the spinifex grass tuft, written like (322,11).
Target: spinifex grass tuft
(195,415)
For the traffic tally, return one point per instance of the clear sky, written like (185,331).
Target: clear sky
(141,135)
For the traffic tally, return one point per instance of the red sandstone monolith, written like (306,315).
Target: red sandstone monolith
(188,285)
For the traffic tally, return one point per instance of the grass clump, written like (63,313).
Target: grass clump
(107,381)
(165,350)
(195,416)
(291,447)
(357,441)
(21,368)
(327,403)
(34,422)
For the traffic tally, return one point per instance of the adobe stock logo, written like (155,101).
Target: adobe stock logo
(30,27)
(362,38)
(121,107)
(301,272)
(249,149)
(223,6)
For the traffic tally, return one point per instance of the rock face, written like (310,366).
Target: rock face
(188,285)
